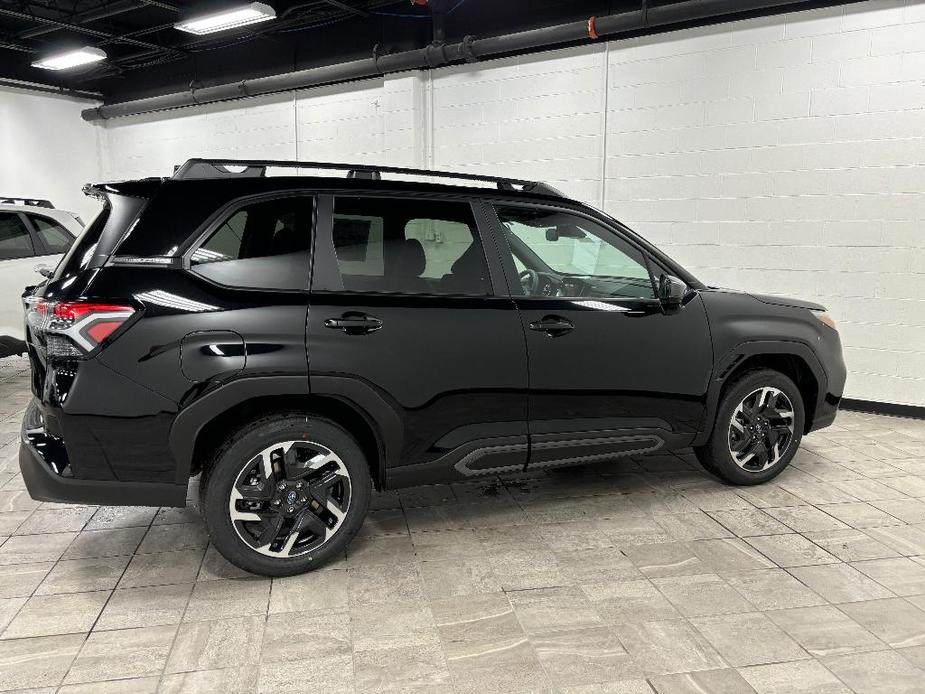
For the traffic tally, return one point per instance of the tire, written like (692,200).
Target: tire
(300,515)
(744,453)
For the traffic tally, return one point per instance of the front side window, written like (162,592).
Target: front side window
(408,247)
(562,254)
(263,245)
(15,241)
(56,238)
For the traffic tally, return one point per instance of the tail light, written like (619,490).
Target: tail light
(73,329)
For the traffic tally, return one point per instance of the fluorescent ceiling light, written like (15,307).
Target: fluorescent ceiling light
(231,18)
(63,61)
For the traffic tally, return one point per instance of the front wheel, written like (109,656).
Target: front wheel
(757,431)
(286,494)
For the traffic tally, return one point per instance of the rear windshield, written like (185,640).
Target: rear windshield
(94,246)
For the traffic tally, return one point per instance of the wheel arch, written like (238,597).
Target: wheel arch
(793,359)
(202,427)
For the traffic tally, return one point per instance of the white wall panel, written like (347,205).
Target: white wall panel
(781,154)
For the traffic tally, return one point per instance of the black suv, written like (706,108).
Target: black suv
(298,340)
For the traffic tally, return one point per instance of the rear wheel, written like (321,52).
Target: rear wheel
(757,431)
(286,494)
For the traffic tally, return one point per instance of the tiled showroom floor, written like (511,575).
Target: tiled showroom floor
(630,577)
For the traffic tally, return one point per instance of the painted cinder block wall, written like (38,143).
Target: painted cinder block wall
(784,155)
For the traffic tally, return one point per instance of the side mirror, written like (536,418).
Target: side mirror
(44,270)
(671,291)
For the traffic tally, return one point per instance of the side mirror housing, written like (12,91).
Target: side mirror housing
(44,270)
(671,291)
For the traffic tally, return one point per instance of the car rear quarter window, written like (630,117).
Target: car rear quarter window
(259,245)
(15,241)
(56,238)
(408,246)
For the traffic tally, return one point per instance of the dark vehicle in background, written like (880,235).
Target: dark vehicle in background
(301,340)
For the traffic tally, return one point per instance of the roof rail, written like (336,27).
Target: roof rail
(31,202)
(255,168)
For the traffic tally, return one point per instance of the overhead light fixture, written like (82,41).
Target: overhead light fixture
(69,59)
(231,18)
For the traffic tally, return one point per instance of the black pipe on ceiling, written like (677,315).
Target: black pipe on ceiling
(469,49)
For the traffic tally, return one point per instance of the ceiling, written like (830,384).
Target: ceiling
(147,56)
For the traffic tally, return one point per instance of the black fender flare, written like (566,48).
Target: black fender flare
(379,415)
(726,364)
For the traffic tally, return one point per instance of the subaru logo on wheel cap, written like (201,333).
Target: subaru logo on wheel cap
(291,497)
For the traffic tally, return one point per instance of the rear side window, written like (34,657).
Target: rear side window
(408,247)
(55,237)
(262,245)
(15,241)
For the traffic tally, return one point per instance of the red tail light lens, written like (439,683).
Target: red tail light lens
(73,329)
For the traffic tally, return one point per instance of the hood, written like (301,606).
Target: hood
(784,301)
(775,300)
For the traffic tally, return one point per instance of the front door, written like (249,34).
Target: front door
(610,371)
(403,320)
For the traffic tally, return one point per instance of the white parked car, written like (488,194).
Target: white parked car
(32,234)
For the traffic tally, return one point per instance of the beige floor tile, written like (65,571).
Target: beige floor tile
(726,681)
(238,680)
(860,514)
(896,621)
(162,569)
(884,671)
(629,601)
(21,580)
(105,543)
(596,566)
(729,556)
(392,625)
(791,550)
(312,591)
(523,570)
(215,566)
(174,537)
(39,662)
(769,496)
(825,630)
(294,635)
(402,669)
(854,545)
(771,589)
(371,585)
(290,677)
(454,577)
(136,685)
(82,575)
(685,527)
(108,517)
(906,510)
(222,643)
(749,522)
(748,639)
(228,599)
(901,575)
(802,677)
(665,559)
(546,610)
(583,656)
(31,549)
(146,606)
(124,653)
(705,594)
(803,519)
(56,520)
(48,615)
(840,583)
(907,540)
(665,647)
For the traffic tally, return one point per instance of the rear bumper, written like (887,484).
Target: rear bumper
(46,476)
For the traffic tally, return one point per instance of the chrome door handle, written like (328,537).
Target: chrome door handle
(354,324)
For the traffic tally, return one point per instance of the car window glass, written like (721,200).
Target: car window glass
(56,237)
(15,241)
(408,246)
(562,254)
(264,245)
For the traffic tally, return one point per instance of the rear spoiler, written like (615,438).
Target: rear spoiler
(142,188)
(31,202)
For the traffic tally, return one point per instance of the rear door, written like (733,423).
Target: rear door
(404,320)
(610,371)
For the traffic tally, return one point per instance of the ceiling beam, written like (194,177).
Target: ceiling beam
(83,18)
(347,8)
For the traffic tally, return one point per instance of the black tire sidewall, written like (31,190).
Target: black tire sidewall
(246,444)
(719,459)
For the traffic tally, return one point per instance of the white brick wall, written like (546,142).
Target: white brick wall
(782,154)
